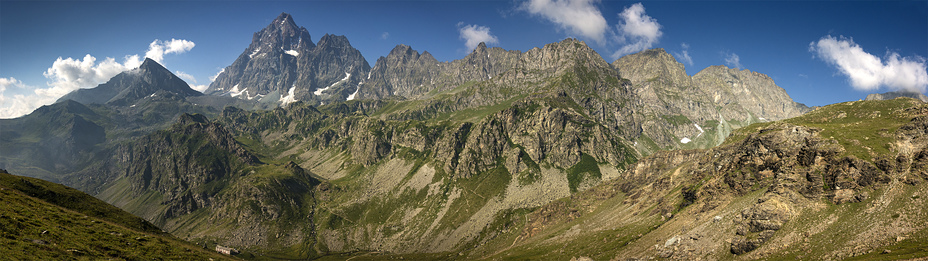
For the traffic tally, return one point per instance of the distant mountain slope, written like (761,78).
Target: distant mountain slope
(283,65)
(676,109)
(40,220)
(127,87)
(896,94)
(754,92)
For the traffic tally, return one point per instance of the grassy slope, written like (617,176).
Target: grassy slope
(41,220)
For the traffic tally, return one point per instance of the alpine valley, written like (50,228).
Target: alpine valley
(302,150)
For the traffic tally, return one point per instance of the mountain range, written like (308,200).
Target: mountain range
(301,150)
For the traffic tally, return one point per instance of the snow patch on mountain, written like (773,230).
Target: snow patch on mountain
(701,131)
(235,92)
(319,91)
(351,97)
(292,52)
(290,97)
(252,55)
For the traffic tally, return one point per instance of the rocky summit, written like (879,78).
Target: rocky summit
(300,150)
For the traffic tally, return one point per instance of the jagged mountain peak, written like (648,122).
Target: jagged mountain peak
(150,64)
(403,50)
(481,47)
(282,65)
(280,35)
(284,18)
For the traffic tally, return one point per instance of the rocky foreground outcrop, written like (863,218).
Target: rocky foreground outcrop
(772,190)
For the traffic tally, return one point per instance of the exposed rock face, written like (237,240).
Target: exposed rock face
(283,65)
(717,99)
(752,91)
(126,88)
(896,94)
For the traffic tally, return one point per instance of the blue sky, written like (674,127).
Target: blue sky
(821,52)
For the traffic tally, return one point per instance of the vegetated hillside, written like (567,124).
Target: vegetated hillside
(439,173)
(437,167)
(40,220)
(846,180)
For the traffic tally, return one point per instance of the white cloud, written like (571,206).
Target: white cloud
(14,104)
(157,48)
(69,74)
(868,72)
(474,34)
(579,17)
(732,60)
(637,30)
(213,78)
(684,55)
(186,76)
(385,35)
(200,88)
(192,81)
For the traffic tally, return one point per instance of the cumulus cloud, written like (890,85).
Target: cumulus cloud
(69,74)
(684,55)
(579,17)
(13,103)
(186,76)
(636,30)
(474,34)
(732,60)
(157,49)
(192,81)
(868,72)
